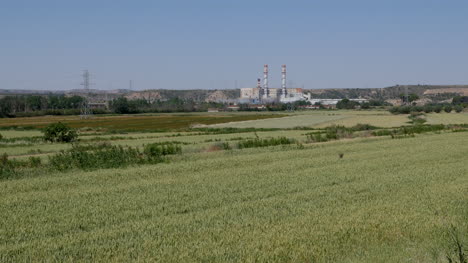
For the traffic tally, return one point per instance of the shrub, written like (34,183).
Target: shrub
(156,151)
(226,146)
(404,109)
(457,109)
(109,157)
(34,162)
(59,132)
(448,108)
(383,132)
(365,105)
(316,137)
(428,109)
(409,130)
(417,118)
(7,167)
(337,132)
(1,136)
(394,110)
(437,109)
(257,142)
(363,127)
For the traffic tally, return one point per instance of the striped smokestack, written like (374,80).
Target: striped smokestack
(283,80)
(265,81)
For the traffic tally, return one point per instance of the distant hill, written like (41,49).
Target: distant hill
(428,93)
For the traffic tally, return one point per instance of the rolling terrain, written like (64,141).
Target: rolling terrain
(433,93)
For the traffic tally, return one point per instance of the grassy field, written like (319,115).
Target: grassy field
(320,119)
(137,122)
(447,118)
(151,122)
(384,201)
(324,118)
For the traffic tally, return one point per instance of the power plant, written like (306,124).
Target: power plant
(265,94)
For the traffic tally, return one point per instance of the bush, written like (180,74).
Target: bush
(428,109)
(156,151)
(365,105)
(108,157)
(409,130)
(337,132)
(253,143)
(347,104)
(457,109)
(393,110)
(6,168)
(363,127)
(448,108)
(383,132)
(316,137)
(417,117)
(1,136)
(59,132)
(437,109)
(9,168)
(226,146)
(34,162)
(404,109)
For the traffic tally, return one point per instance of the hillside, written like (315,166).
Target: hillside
(433,92)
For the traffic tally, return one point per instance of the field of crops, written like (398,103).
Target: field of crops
(137,122)
(320,119)
(447,118)
(384,201)
(359,194)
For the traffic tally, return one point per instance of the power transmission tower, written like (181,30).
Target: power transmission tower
(406,95)
(85,109)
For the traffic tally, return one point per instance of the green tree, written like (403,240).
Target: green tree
(35,103)
(460,100)
(346,104)
(5,108)
(59,132)
(120,105)
(411,97)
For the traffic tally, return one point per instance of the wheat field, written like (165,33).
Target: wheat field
(384,201)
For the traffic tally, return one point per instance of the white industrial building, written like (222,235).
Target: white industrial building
(265,94)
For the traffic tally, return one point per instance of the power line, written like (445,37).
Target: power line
(85,109)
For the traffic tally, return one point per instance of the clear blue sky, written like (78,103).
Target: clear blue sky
(192,44)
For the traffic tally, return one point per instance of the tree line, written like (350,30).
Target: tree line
(17,106)
(457,105)
(125,106)
(36,105)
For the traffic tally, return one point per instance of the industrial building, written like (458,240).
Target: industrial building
(262,93)
(265,94)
